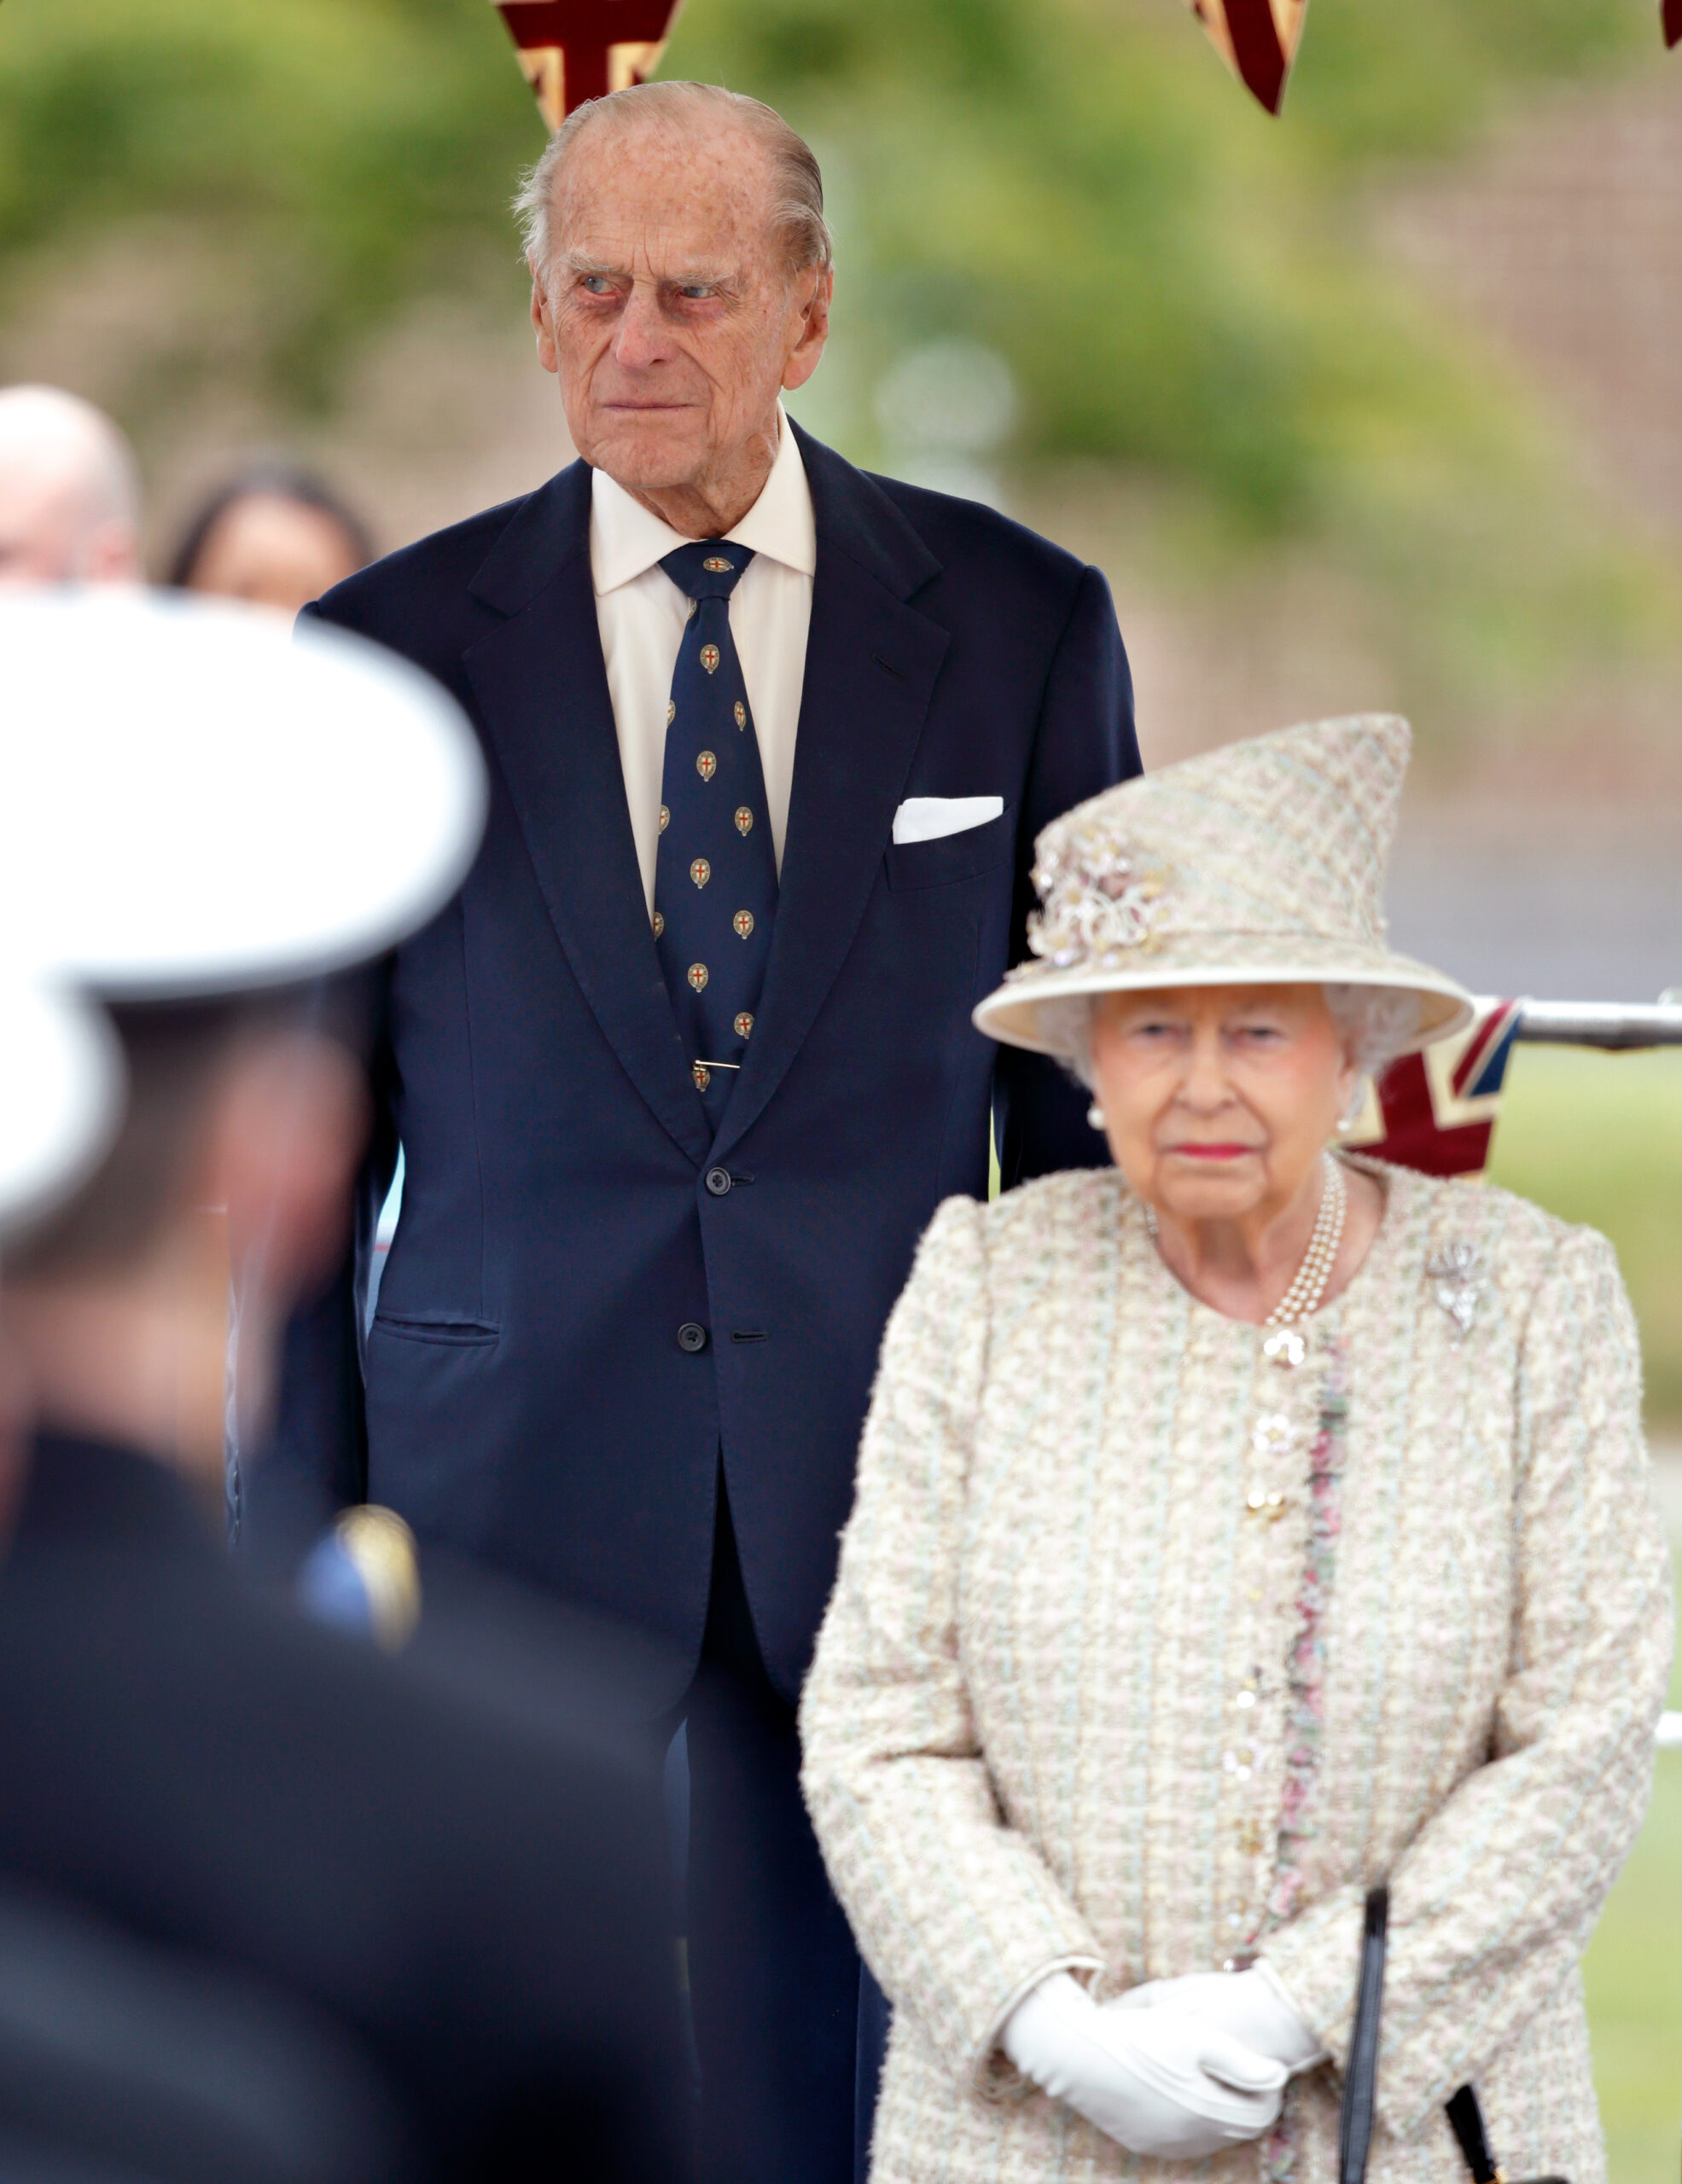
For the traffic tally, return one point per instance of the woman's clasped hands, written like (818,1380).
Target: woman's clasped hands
(1180,2069)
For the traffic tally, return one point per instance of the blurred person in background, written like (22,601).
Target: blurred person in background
(69,492)
(1239,1528)
(475,1903)
(61,1095)
(119,2056)
(274,536)
(689,1065)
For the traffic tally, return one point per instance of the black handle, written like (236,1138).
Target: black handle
(1360,2076)
(1467,2119)
(1360,2079)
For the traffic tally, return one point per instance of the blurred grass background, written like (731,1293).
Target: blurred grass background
(1598,1138)
(1245,366)
(1633,1977)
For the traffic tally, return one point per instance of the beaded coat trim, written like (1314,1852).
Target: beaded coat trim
(1305,1710)
(1305,1677)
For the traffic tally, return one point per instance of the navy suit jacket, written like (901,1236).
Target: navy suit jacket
(523,1393)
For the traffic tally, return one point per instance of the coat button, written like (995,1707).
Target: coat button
(692,1336)
(718,1182)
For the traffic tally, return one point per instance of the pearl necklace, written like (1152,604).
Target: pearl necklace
(1306,1291)
(1304,1295)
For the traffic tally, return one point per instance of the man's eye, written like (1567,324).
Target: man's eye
(694,292)
(596,284)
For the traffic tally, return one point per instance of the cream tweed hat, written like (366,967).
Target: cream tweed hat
(1261,863)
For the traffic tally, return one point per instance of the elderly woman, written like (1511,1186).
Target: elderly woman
(1238,1528)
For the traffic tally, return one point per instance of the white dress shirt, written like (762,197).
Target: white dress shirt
(641,614)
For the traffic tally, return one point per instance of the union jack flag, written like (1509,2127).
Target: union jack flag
(1435,1112)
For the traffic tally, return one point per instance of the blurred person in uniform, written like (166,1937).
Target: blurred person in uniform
(476,1904)
(69,492)
(688,1066)
(274,536)
(61,1095)
(119,2057)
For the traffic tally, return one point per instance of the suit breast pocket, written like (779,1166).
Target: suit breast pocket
(444,1333)
(952,857)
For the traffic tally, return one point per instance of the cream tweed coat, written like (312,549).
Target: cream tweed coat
(1151,1650)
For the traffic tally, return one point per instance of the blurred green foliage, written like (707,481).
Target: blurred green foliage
(350,152)
(1180,285)
(1173,274)
(1076,182)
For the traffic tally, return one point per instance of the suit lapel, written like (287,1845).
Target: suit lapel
(543,695)
(870,667)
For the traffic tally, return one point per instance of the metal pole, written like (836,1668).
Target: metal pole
(1617,1026)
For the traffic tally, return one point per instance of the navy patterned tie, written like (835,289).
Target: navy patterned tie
(715,875)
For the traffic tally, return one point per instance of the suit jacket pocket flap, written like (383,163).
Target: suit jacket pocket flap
(456,1332)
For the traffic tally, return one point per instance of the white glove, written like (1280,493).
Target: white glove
(1251,2006)
(1156,2082)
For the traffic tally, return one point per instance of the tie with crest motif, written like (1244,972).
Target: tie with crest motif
(715,874)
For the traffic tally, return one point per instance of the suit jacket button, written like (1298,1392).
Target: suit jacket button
(718,1182)
(692,1336)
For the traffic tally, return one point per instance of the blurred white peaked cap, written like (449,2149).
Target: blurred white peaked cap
(196,801)
(61,1095)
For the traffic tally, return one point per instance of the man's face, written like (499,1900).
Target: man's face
(49,535)
(273,551)
(42,527)
(668,313)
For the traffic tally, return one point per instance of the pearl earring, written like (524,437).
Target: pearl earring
(1094,1116)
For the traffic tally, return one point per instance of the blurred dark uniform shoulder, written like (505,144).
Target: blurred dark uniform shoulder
(478,1897)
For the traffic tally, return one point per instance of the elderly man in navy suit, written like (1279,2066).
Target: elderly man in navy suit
(684,1069)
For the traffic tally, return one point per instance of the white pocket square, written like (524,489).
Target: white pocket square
(926,818)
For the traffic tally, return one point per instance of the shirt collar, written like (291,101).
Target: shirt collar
(626,539)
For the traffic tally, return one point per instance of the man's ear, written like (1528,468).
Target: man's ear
(542,325)
(817,292)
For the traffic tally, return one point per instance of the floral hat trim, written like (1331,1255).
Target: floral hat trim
(1097,907)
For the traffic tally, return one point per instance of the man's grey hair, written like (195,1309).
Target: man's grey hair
(1378,1022)
(797,206)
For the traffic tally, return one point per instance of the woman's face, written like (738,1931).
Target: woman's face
(273,551)
(1219,1100)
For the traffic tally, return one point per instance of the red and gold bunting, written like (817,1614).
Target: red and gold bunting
(1257,38)
(571,50)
